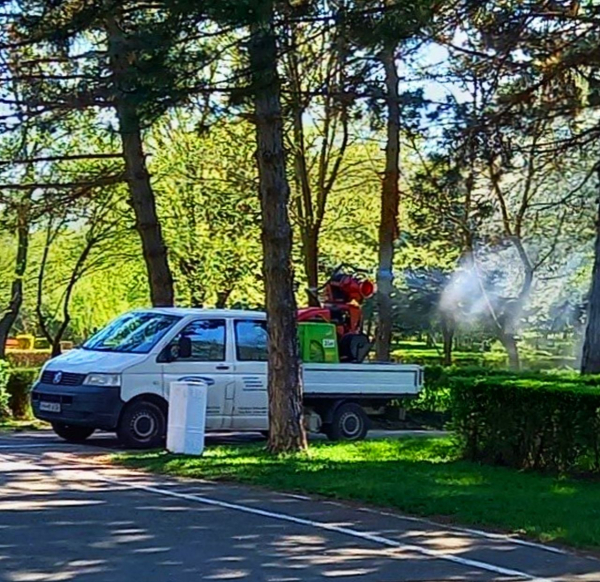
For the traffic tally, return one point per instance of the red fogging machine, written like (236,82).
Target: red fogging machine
(340,303)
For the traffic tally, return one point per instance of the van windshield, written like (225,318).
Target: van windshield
(135,333)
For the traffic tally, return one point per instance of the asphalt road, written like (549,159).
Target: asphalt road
(65,515)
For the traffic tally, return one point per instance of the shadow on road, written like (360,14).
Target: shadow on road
(58,523)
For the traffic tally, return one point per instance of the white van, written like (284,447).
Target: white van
(119,379)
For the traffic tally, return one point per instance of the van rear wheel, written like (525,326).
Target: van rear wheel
(142,425)
(349,423)
(72,433)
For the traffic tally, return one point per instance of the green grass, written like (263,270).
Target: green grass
(416,476)
(10,425)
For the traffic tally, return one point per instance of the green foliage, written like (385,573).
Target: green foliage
(18,388)
(184,71)
(146,49)
(349,229)
(4,377)
(419,476)
(540,421)
(27,358)
(114,281)
(206,187)
(530,359)
(436,395)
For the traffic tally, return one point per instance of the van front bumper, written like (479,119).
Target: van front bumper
(93,406)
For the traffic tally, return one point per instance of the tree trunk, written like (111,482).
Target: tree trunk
(16,295)
(390,201)
(142,196)
(286,429)
(223,298)
(509,342)
(590,359)
(511,320)
(309,233)
(39,308)
(56,349)
(310,247)
(448,338)
(190,271)
(144,207)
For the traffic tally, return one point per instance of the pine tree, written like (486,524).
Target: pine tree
(133,60)
(286,430)
(388,29)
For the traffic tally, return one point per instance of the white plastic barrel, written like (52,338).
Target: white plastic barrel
(187,417)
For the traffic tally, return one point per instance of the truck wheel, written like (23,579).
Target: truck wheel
(142,426)
(349,423)
(72,433)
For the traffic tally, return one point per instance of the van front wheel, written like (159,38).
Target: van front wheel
(72,433)
(142,426)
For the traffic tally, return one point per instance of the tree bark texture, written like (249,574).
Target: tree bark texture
(16,293)
(590,359)
(286,429)
(509,342)
(142,195)
(448,328)
(510,321)
(310,247)
(390,202)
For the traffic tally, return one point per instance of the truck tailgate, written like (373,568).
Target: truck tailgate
(367,379)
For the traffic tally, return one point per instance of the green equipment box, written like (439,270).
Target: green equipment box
(318,342)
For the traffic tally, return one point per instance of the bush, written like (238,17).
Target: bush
(530,359)
(27,358)
(26,341)
(426,357)
(18,388)
(41,343)
(548,422)
(436,393)
(4,375)
(436,396)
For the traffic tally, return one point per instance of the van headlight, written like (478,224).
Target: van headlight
(102,380)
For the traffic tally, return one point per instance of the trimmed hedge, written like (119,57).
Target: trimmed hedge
(27,358)
(547,422)
(496,359)
(18,388)
(436,394)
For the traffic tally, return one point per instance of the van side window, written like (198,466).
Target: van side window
(251,341)
(208,340)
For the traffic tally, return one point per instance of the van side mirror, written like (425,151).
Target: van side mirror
(185,347)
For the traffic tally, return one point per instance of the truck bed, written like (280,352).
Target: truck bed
(362,380)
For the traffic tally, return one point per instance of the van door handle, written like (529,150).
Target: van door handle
(222,367)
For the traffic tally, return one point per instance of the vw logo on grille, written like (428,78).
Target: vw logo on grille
(57,378)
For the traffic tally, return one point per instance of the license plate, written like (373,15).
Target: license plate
(50,406)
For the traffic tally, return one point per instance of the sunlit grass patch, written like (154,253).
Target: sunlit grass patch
(420,476)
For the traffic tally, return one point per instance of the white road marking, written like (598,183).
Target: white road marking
(469,531)
(473,532)
(390,543)
(437,554)
(296,496)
